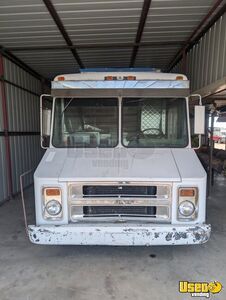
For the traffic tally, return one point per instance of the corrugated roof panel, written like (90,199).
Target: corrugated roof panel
(50,63)
(107,57)
(27,23)
(155,57)
(163,12)
(95,16)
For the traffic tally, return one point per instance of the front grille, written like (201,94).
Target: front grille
(119,210)
(119,190)
(116,199)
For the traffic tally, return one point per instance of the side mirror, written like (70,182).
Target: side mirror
(199,119)
(198,122)
(45,120)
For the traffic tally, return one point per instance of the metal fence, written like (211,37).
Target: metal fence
(19,126)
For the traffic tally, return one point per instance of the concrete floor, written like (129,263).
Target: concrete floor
(30,271)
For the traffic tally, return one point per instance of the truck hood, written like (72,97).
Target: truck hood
(119,164)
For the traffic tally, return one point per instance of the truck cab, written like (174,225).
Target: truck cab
(119,168)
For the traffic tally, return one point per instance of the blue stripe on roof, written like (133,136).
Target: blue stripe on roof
(119,70)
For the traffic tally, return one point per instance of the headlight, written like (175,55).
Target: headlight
(187,203)
(52,203)
(53,207)
(186,208)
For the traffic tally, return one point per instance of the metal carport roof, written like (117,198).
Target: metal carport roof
(54,37)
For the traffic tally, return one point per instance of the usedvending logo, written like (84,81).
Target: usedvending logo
(200,289)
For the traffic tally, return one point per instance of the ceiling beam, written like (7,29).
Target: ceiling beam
(6,53)
(200,30)
(63,31)
(140,29)
(96,46)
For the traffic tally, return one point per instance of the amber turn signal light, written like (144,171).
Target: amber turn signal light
(52,192)
(187,193)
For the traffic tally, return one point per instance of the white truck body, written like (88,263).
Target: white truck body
(168,172)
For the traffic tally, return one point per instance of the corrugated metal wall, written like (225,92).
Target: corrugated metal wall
(3,169)
(206,61)
(22,92)
(3,172)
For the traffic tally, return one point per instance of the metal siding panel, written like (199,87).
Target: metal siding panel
(216,50)
(23,115)
(1,113)
(207,59)
(3,172)
(203,58)
(26,154)
(20,114)
(211,53)
(199,64)
(222,52)
(20,77)
(193,68)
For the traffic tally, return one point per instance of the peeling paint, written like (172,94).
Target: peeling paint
(120,235)
(169,236)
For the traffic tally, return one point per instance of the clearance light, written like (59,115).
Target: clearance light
(179,77)
(110,78)
(129,78)
(61,78)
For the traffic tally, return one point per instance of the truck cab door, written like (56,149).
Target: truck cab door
(46,106)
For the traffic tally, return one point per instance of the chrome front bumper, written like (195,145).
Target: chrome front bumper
(119,234)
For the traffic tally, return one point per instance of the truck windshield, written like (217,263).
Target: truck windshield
(154,122)
(85,122)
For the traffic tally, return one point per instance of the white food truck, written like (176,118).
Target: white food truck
(119,168)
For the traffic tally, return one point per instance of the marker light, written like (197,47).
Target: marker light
(129,77)
(61,78)
(110,78)
(180,77)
